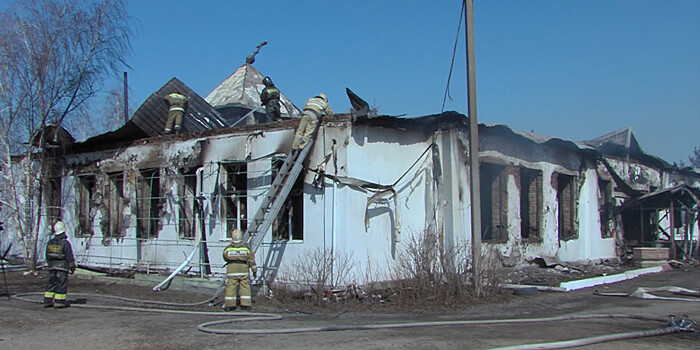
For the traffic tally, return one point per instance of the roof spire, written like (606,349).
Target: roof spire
(251,58)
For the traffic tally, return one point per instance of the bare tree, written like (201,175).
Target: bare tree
(54,57)
(694,158)
(103,113)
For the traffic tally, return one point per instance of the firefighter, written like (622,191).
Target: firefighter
(59,257)
(177,110)
(239,258)
(313,110)
(270,98)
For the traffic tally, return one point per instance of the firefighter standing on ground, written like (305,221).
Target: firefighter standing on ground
(270,98)
(313,110)
(59,257)
(177,110)
(239,258)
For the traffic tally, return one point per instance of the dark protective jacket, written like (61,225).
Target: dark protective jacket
(268,94)
(59,254)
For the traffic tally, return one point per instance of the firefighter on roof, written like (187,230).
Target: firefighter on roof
(270,98)
(59,257)
(313,110)
(239,258)
(175,113)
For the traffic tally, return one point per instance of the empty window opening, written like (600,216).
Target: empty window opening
(114,204)
(493,202)
(84,189)
(289,223)
(53,200)
(235,193)
(605,204)
(530,203)
(148,203)
(187,203)
(566,199)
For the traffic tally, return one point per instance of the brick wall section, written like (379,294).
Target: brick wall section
(566,198)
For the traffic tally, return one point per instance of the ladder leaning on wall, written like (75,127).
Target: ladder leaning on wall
(279,190)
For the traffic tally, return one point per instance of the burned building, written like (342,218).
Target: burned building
(137,199)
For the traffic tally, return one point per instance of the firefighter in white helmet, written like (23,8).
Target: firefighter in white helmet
(176,111)
(313,110)
(239,258)
(59,258)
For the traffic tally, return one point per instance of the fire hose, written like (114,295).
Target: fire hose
(673,326)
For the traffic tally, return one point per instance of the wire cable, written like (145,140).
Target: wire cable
(452,64)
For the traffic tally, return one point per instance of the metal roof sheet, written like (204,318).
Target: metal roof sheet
(242,89)
(199,115)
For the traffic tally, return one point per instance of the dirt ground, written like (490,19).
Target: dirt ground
(25,325)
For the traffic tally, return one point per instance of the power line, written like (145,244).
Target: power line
(454,51)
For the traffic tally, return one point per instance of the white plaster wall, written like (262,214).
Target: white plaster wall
(382,162)
(638,176)
(334,218)
(589,244)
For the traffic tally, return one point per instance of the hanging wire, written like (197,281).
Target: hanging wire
(454,51)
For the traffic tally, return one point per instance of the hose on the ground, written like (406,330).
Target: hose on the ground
(241,316)
(205,327)
(256,316)
(139,301)
(595,340)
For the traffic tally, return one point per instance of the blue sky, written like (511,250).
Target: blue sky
(570,69)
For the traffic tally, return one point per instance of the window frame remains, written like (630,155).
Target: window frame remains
(84,191)
(187,203)
(234,206)
(113,199)
(606,207)
(289,223)
(148,203)
(531,199)
(567,203)
(494,202)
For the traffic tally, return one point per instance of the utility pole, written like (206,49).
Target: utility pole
(473,147)
(126,100)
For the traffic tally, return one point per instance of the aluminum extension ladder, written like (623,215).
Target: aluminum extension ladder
(279,190)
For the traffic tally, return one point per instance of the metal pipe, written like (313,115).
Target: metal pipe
(672,230)
(197,191)
(126,99)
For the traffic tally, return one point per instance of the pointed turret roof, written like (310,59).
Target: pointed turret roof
(242,89)
(622,138)
(622,143)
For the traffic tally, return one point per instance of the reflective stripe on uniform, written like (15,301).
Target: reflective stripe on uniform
(49,295)
(229,298)
(237,274)
(315,104)
(245,297)
(176,108)
(236,254)
(237,248)
(60,296)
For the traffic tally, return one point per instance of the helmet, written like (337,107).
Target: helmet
(323,96)
(267,81)
(236,235)
(59,227)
